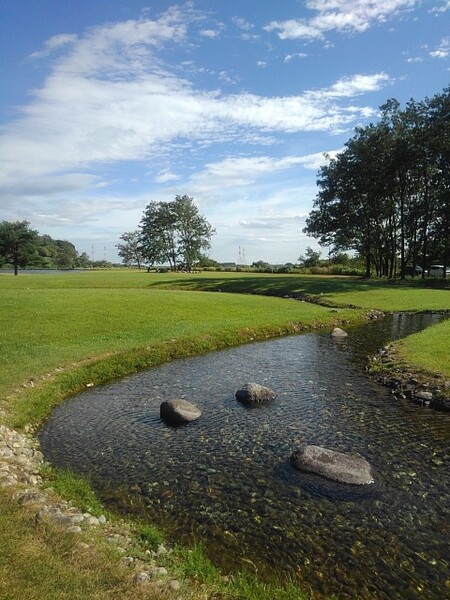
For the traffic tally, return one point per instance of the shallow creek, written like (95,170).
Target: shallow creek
(225,479)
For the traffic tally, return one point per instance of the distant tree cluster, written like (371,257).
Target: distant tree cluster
(387,195)
(21,246)
(171,233)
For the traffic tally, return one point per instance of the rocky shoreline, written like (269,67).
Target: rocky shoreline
(425,389)
(21,464)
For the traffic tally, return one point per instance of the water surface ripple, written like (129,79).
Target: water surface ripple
(226,480)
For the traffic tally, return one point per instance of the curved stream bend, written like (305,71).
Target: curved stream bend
(226,479)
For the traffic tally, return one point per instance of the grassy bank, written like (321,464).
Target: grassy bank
(61,333)
(428,350)
(391,296)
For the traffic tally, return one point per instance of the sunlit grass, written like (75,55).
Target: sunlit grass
(39,561)
(428,350)
(44,327)
(59,333)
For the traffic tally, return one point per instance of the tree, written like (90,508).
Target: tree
(387,195)
(83,261)
(131,251)
(66,255)
(194,231)
(158,234)
(18,244)
(204,262)
(174,232)
(312,258)
(262,266)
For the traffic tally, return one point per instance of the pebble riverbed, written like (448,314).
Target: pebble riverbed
(225,479)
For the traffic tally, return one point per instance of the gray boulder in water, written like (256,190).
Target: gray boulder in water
(179,411)
(338,333)
(253,393)
(344,468)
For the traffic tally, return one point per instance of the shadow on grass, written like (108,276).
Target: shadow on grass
(276,285)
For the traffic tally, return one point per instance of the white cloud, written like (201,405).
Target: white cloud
(165,176)
(289,57)
(443,50)
(349,87)
(344,16)
(241,172)
(242,24)
(111,99)
(210,33)
(54,43)
(443,8)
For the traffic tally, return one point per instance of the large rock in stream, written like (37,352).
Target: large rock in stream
(337,466)
(179,411)
(253,394)
(338,333)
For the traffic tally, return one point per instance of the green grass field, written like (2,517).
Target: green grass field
(54,321)
(121,321)
(59,333)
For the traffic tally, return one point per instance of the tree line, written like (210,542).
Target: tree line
(21,246)
(386,196)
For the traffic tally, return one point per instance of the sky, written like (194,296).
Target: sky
(108,105)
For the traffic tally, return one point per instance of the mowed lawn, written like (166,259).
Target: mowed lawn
(51,321)
(411,295)
(91,326)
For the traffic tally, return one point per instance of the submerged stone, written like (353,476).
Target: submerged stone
(253,393)
(344,468)
(179,411)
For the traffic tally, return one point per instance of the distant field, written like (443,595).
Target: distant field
(387,296)
(390,296)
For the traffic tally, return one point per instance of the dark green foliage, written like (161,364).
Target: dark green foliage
(387,195)
(174,233)
(18,244)
(131,251)
(23,247)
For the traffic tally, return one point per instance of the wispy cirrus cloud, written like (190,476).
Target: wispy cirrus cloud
(442,50)
(344,16)
(110,97)
(54,43)
(441,8)
(241,171)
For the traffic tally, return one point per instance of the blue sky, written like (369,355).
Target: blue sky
(108,105)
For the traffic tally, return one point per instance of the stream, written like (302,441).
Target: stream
(225,480)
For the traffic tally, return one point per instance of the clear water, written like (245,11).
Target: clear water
(225,479)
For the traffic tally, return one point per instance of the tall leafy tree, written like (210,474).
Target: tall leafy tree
(194,231)
(131,251)
(18,244)
(83,261)
(158,234)
(387,195)
(174,232)
(66,255)
(439,135)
